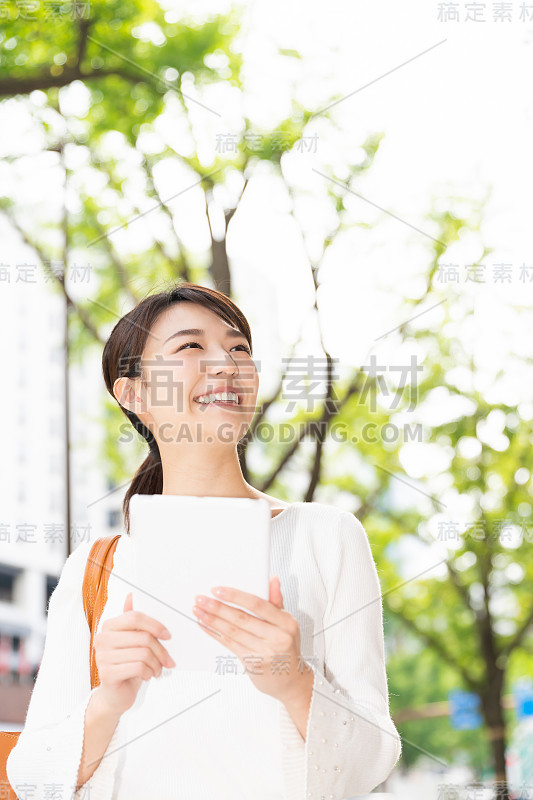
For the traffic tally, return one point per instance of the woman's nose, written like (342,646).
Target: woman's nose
(228,366)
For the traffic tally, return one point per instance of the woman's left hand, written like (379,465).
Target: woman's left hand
(268,647)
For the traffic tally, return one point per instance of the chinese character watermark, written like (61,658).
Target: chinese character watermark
(50,270)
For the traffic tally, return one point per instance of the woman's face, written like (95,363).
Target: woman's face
(179,367)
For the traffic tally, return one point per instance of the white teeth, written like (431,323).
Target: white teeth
(224,396)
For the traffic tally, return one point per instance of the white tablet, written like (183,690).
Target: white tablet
(184,545)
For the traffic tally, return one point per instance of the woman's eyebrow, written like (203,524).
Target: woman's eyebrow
(199,332)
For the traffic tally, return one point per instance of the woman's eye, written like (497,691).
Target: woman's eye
(244,347)
(185,345)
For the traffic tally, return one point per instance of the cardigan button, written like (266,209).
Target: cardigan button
(337,769)
(324,740)
(48,748)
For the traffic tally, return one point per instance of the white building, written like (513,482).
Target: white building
(33,531)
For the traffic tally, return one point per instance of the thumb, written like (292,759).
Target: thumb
(128,602)
(276,598)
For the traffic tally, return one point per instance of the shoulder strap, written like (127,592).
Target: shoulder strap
(99,565)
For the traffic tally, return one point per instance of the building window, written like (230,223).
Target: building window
(51,583)
(7,583)
(113,518)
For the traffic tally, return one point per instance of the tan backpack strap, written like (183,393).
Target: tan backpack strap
(99,565)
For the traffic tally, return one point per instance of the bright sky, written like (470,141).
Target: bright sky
(458,121)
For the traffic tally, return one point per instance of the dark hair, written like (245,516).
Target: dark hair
(121,357)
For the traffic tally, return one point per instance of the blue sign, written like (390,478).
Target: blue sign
(464,710)
(523,698)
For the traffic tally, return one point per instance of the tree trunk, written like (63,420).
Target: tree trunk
(491,697)
(494,718)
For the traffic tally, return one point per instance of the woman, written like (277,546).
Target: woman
(320,728)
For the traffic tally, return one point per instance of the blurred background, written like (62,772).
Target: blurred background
(357,179)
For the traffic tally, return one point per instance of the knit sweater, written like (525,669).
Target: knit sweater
(197,735)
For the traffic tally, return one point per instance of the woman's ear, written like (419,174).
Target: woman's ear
(127,394)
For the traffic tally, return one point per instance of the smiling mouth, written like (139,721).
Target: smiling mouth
(233,402)
(218,403)
(220,397)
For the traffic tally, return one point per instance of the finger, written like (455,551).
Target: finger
(263,608)
(136,620)
(275,592)
(271,613)
(218,612)
(131,669)
(240,651)
(128,602)
(144,654)
(237,634)
(122,639)
(231,644)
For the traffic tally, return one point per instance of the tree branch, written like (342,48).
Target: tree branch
(437,645)
(58,278)
(519,635)
(9,87)
(318,431)
(186,271)
(328,412)
(461,589)
(120,269)
(363,510)
(84,26)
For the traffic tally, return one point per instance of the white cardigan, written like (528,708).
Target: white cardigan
(200,735)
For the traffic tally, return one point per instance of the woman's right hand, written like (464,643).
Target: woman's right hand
(127,652)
